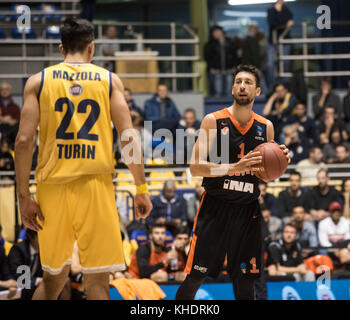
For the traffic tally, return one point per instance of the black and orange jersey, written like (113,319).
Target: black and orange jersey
(239,188)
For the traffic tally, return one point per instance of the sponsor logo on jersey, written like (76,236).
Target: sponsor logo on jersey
(259,132)
(200,269)
(238,186)
(225,131)
(76,89)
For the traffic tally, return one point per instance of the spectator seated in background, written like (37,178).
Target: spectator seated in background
(193,203)
(291,197)
(326,97)
(346,107)
(306,231)
(6,159)
(181,245)
(152,259)
(274,224)
(27,253)
(342,155)
(346,198)
(334,228)
(9,114)
(109,49)
(320,197)
(336,138)
(168,208)
(309,167)
(296,142)
(267,200)
(6,280)
(328,122)
(343,254)
(220,54)
(305,125)
(5,244)
(279,106)
(162,111)
(134,109)
(285,257)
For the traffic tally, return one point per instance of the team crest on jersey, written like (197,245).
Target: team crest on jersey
(76,89)
(259,131)
(224,131)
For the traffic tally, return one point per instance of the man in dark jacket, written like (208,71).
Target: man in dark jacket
(6,280)
(251,47)
(26,253)
(169,208)
(220,54)
(162,111)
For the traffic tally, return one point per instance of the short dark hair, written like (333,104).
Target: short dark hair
(182,230)
(157,225)
(344,146)
(290,224)
(190,110)
(323,170)
(128,90)
(312,149)
(284,85)
(76,34)
(248,68)
(295,173)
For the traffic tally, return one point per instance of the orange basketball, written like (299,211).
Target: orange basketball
(274,161)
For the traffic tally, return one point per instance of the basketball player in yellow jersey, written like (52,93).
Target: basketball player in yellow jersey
(74,103)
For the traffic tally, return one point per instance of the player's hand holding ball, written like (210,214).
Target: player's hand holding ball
(275,159)
(250,161)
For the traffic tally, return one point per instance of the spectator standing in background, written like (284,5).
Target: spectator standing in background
(27,253)
(309,167)
(274,224)
(168,208)
(326,97)
(134,109)
(306,231)
(9,114)
(280,20)
(266,199)
(329,121)
(334,228)
(346,198)
(336,138)
(291,197)
(152,259)
(263,49)
(320,197)
(220,54)
(162,111)
(285,257)
(279,106)
(193,203)
(109,49)
(251,47)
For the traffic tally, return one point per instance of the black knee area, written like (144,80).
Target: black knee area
(189,288)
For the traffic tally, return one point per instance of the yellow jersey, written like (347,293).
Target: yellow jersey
(75,137)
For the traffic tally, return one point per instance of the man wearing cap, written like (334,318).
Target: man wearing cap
(335,227)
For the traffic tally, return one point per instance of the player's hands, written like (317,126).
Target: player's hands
(250,161)
(30,210)
(143,206)
(285,151)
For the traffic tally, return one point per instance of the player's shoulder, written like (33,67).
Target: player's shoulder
(261,119)
(220,114)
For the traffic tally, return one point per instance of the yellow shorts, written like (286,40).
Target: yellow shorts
(84,211)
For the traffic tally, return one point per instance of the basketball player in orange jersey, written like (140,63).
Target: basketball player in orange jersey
(228,221)
(74,102)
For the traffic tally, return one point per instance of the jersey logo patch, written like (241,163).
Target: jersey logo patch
(76,89)
(224,131)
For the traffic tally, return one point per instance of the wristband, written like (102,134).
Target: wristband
(142,189)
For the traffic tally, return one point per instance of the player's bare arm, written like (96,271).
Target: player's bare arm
(270,132)
(122,121)
(201,167)
(29,122)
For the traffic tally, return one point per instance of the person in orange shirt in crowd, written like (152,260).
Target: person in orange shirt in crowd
(152,259)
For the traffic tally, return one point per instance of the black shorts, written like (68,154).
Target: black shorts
(222,228)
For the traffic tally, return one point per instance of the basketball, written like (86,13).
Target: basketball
(274,162)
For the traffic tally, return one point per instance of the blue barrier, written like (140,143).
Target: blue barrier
(337,290)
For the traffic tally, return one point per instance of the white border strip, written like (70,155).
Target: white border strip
(56,271)
(110,268)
